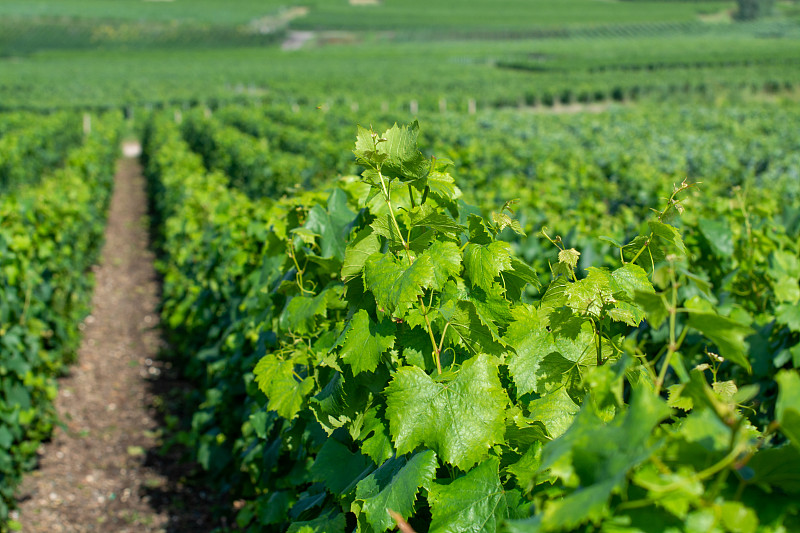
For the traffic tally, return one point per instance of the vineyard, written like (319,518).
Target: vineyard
(531,269)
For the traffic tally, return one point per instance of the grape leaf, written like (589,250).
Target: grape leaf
(374,436)
(630,279)
(365,342)
(787,408)
(779,467)
(446,260)
(718,234)
(555,410)
(285,390)
(590,294)
(460,418)
(655,307)
(520,275)
(669,235)
(330,522)
(727,334)
(360,248)
(298,316)
(473,503)
(483,263)
(394,486)
(339,468)
(467,329)
(492,309)
(427,216)
(531,342)
(596,458)
(332,224)
(789,315)
(397,286)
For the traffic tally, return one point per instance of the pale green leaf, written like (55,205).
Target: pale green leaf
(360,248)
(395,285)
(459,418)
(555,410)
(365,342)
(590,294)
(787,408)
(669,236)
(285,390)
(569,257)
(531,343)
(483,263)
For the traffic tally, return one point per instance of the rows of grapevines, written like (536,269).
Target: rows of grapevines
(32,147)
(252,164)
(407,377)
(47,244)
(623,162)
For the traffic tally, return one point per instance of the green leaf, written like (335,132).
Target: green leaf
(669,236)
(441,184)
(360,248)
(332,224)
(573,337)
(727,334)
(777,467)
(473,503)
(554,298)
(483,263)
(595,458)
(365,342)
(396,286)
(339,468)
(515,279)
(737,518)
(630,279)
(299,314)
(788,314)
(787,408)
(394,486)
(397,155)
(492,308)
(655,307)
(555,410)
(337,404)
(531,342)
(331,522)
(569,257)
(374,436)
(718,234)
(459,418)
(429,217)
(467,329)
(446,260)
(590,294)
(526,470)
(383,225)
(285,390)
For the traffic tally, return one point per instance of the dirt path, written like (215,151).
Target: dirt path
(101,473)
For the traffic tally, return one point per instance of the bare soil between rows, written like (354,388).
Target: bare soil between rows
(102,471)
